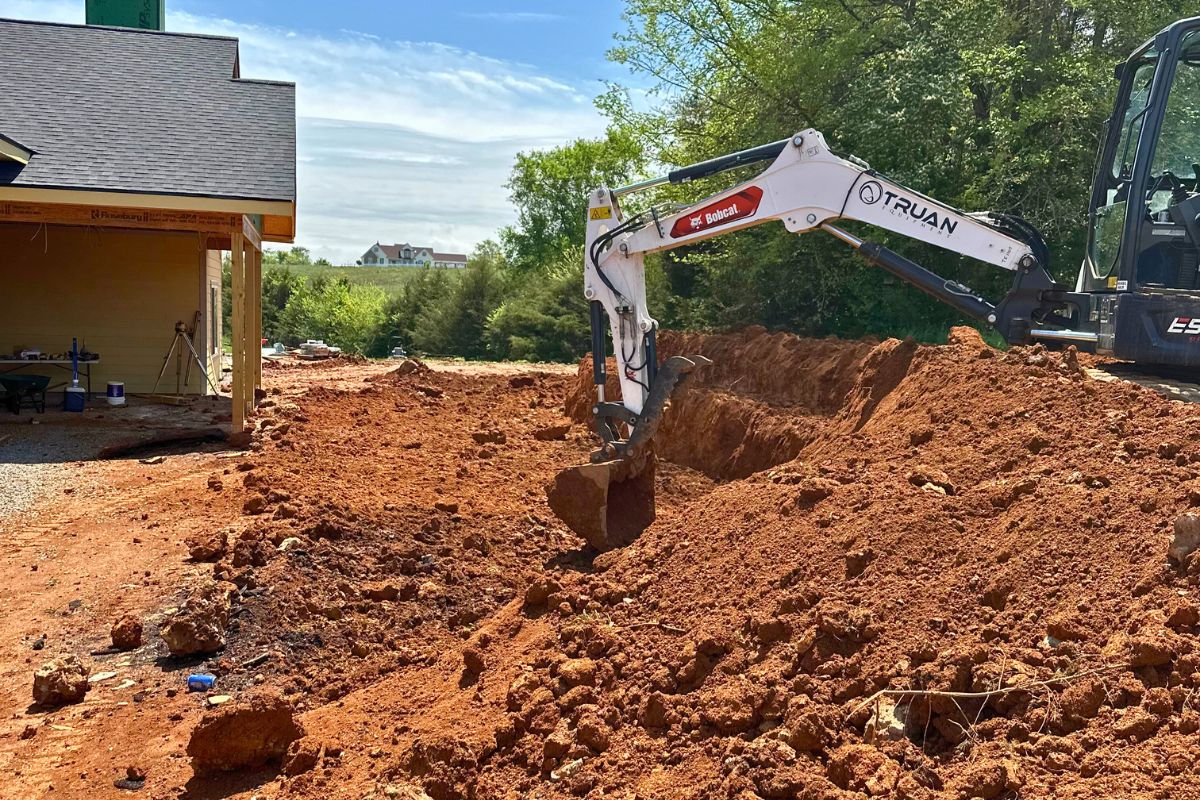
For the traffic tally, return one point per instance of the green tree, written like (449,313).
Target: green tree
(429,289)
(457,325)
(549,189)
(979,104)
(547,320)
(278,286)
(350,317)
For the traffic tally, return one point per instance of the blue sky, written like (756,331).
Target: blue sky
(409,112)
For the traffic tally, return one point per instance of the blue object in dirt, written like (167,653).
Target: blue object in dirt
(201,682)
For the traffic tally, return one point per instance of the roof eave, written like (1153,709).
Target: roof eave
(148,200)
(12,150)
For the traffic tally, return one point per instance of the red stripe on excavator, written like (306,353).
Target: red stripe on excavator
(736,206)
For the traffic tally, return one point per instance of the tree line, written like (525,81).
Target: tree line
(982,104)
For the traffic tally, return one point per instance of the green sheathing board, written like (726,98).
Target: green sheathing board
(146,14)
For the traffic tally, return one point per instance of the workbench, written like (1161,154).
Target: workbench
(18,364)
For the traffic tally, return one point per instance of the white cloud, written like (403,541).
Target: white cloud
(512,16)
(397,140)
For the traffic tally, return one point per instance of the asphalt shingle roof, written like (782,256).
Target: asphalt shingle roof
(139,111)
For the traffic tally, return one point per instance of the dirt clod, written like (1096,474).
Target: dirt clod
(127,633)
(244,734)
(209,546)
(1185,538)
(199,626)
(60,682)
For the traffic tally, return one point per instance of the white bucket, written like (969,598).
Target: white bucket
(116,393)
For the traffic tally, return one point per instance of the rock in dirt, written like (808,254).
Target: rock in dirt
(135,779)
(127,633)
(888,722)
(290,543)
(539,591)
(243,735)
(207,546)
(862,768)
(302,755)
(255,504)
(1067,626)
(199,626)
(593,731)
(59,682)
(809,726)
(1136,723)
(924,476)
(578,672)
(1185,538)
(405,791)
(1146,649)
(986,779)
(1079,703)
(552,433)
(473,661)
(408,366)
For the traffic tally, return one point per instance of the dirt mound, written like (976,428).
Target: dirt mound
(978,540)
(960,588)
(961,578)
(318,364)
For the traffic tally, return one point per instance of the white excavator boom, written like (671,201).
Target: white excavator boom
(807,187)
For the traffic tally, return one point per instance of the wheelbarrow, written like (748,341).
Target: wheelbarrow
(25,390)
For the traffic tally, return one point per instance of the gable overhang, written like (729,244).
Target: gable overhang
(278,216)
(12,150)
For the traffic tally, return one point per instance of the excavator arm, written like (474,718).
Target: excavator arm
(807,187)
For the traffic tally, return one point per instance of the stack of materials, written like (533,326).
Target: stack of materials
(315,349)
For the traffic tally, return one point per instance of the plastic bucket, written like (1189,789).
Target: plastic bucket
(116,393)
(75,398)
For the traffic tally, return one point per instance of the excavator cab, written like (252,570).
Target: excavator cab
(1141,271)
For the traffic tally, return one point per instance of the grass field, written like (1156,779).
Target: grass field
(390,279)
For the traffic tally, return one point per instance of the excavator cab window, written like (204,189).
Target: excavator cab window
(1146,201)
(1109,216)
(1169,244)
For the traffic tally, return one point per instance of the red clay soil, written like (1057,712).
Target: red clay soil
(928,572)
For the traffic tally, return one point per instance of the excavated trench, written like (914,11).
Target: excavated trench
(765,398)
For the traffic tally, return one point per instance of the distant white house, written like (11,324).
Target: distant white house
(407,255)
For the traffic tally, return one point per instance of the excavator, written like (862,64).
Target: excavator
(1136,297)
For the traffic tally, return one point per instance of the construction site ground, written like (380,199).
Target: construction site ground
(879,569)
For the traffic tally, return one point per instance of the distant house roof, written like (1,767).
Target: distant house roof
(122,110)
(393,250)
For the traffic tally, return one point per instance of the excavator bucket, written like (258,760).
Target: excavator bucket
(609,502)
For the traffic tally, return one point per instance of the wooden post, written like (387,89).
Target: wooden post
(256,304)
(237,251)
(248,346)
